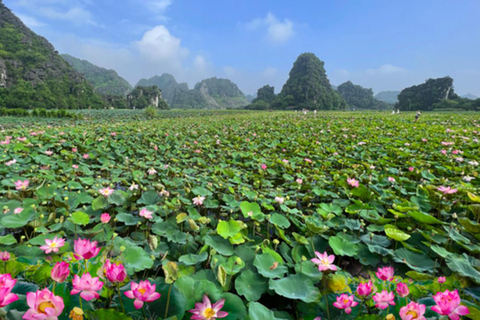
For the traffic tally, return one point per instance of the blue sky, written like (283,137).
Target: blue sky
(383,45)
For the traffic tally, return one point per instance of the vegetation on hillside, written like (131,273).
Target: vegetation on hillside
(36,75)
(144,97)
(104,81)
(360,98)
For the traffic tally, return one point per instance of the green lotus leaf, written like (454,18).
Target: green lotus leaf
(296,287)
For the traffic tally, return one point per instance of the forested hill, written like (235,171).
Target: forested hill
(34,75)
(105,81)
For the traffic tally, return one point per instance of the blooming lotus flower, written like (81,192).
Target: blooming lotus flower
(385,273)
(6,286)
(344,301)
(207,311)
(21,185)
(115,273)
(74,149)
(142,292)
(106,191)
(264,166)
(18,210)
(133,187)
(308,160)
(441,279)
(198,200)
(9,163)
(75,166)
(86,156)
(353,182)
(364,289)
(383,299)
(48,152)
(446,190)
(146,214)
(324,261)
(151,171)
(299,181)
(402,290)
(105,218)
(86,286)
(412,311)
(448,304)
(391,179)
(60,272)
(279,200)
(53,245)
(4,256)
(410,169)
(84,249)
(44,305)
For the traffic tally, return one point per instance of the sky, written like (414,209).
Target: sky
(378,44)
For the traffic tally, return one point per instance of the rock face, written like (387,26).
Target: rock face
(32,73)
(358,97)
(105,82)
(210,93)
(143,97)
(3,74)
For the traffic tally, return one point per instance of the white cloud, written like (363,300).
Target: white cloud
(76,15)
(277,32)
(386,69)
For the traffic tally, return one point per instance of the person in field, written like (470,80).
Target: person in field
(417,116)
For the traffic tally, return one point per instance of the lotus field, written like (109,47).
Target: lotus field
(261,215)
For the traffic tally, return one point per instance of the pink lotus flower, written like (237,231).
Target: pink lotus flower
(75,166)
(9,163)
(279,200)
(448,304)
(412,311)
(48,152)
(385,273)
(383,299)
(115,272)
(391,179)
(344,301)
(4,142)
(105,218)
(4,256)
(146,214)
(353,182)
(264,166)
(299,181)
(410,169)
(60,272)
(198,200)
(446,190)
(86,286)
(53,245)
(364,289)
(151,171)
(22,139)
(207,311)
(6,286)
(21,185)
(324,261)
(106,191)
(18,210)
(86,156)
(44,305)
(443,151)
(142,292)
(441,279)
(308,160)
(84,249)
(402,290)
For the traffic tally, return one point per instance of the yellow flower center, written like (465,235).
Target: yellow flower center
(412,313)
(208,313)
(76,314)
(142,291)
(44,305)
(345,301)
(53,244)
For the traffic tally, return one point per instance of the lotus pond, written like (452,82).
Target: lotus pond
(249,215)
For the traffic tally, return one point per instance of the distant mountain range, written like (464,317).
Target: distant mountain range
(106,82)
(387,96)
(212,93)
(469,96)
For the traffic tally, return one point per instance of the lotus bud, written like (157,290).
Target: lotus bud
(276,242)
(42,216)
(122,248)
